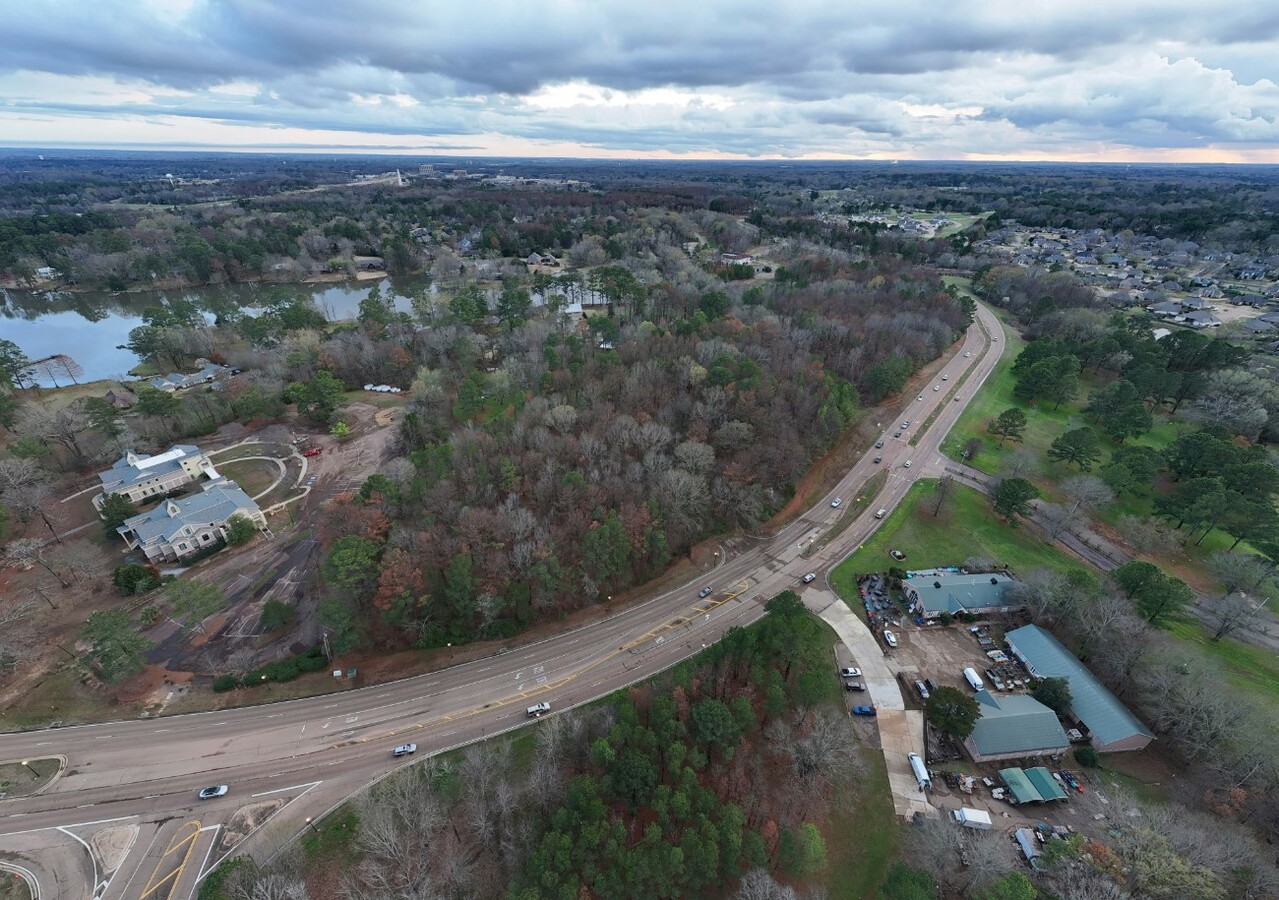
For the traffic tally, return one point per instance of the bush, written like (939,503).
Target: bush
(149,615)
(1087,757)
(944,618)
(313,661)
(135,578)
(224,683)
(276,614)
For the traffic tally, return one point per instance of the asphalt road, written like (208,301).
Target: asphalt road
(134,782)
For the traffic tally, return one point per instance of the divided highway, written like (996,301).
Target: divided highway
(123,820)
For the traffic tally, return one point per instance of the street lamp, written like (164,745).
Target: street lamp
(311,825)
(34,774)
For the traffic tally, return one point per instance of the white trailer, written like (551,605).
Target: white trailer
(973,818)
(921,772)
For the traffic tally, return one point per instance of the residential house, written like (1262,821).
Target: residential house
(1014,726)
(121,399)
(369,263)
(176,381)
(1194,303)
(146,477)
(1167,309)
(1258,326)
(180,528)
(1201,319)
(1112,726)
(929,594)
(736,259)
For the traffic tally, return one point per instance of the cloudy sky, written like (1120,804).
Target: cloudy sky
(1159,80)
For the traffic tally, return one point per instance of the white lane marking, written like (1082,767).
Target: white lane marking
(308,786)
(44,743)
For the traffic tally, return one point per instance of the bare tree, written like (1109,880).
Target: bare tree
(62,426)
(942,491)
(1149,535)
(1236,612)
(1239,571)
(1055,520)
(27,552)
(757,884)
(30,500)
(1192,706)
(1086,493)
(1019,463)
(1048,596)
(18,472)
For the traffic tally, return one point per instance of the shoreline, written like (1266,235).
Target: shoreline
(320,278)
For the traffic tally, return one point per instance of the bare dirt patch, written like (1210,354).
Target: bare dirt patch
(246,819)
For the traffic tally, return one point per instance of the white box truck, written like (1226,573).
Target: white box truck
(973,679)
(921,772)
(973,818)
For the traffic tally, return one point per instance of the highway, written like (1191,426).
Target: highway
(123,821)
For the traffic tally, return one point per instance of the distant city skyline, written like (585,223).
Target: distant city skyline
(1179,81)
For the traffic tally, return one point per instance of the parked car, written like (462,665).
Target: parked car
(850,673)
(945,378)
(705,592)
(404,750)
(855,686)
(930,684)
(538,709)
(920,397)
(879,445)
(922,689)
(896,554)
(314,451)
(810,577)
(889,638)
(863,710)
(218,790)
(906,464)
(836,502)
(967,353)
(936,387)
(877,459)
(897,435)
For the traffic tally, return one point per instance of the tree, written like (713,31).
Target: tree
(714,724)
(1136,576)
(240,529)
(193,601)
(275,614)
(952,711)
(1008,425)
(1131,470)
(115,509)
(1079,446)
(1086,493)
(320,397)
(1020,462)
(14,365)
(351,567)
(1011,886)
(906,883)
(1239,571)
(1054,693)
(1120,411)
(116,649)
(1011,498)
(1235,612)
(157,403)
(103,417)
(1163,600)
(802,852)
(135,578)
(27,552)
(30,500)
(942,490)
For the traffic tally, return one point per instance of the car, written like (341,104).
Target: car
(850,673)
(705,592)
(936,387)
(889,638)
(855,686)
(810,577)
(879,445)
(897,435)
(922,689)
(863,710)
(538,709)
(957,399)
(896,554)
(930,684)
(880,513)
(905,424)
(920,397)
(906,464)
(836,502)
(967,353)
(209,793)
(404,750)
(877,459)
(945,378)
(315,451)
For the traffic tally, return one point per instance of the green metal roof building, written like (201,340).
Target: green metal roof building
(1031,785)
(1013,726)
(931,594)
(1112,725)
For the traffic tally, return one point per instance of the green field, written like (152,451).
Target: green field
(862,837)
(1253,670)
(966,527)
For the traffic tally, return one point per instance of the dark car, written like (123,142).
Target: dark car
(879,445)
(705,592)
(855,686)
(863,710)
(877,459)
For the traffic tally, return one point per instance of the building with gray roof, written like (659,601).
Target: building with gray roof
(929,594)
(179,528)
(140,478)
(1112,725)
(1013,726)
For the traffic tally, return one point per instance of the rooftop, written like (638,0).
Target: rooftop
(132,468)
(954,592)
(1016,723)
(215,503)
(1099,709)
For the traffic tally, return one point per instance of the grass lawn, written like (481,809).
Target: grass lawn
(253,475)
(862,837)
(966,527)
(59,698)
(1249,668)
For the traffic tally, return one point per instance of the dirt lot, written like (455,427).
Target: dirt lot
(939,652)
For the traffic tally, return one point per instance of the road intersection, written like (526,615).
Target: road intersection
(122,819)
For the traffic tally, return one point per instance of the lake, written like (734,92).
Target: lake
(89,326)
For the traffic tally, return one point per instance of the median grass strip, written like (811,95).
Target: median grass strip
(853,507)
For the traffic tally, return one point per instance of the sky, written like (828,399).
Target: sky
(1157,81)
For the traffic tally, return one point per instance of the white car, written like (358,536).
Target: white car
(945,378)
(836,502)
(405,750)
(936,387)
(906,464)
(810,577)
(209,793)
(538,709)
(850,673)
(889,638)
(920,397)
(967,353)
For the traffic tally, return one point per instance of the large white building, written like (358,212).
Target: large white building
(179,528)
(140,478)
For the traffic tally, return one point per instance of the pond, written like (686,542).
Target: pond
(90,326)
